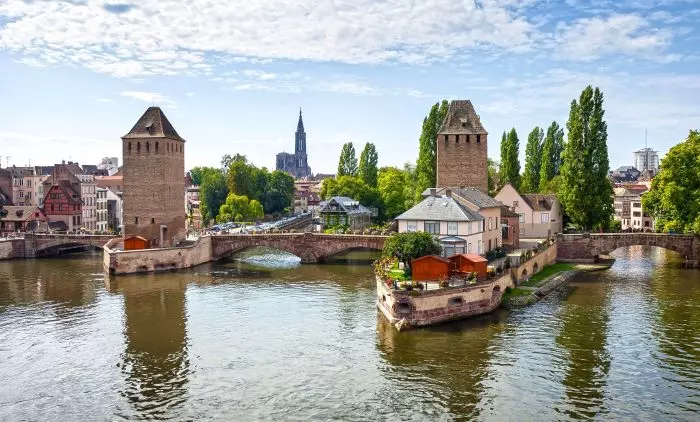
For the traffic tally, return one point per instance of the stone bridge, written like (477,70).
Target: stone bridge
(310,247)
(586,247)
(51,244)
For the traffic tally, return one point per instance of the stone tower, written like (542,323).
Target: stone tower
(461,148)
(154,180)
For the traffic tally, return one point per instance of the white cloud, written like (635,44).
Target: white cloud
(106,100)
(150,97)
(159,37)
(591,38)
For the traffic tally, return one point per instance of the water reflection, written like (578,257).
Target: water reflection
(155,361)
(444,367)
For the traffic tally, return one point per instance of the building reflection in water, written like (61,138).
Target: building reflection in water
(444,366)
(155,362)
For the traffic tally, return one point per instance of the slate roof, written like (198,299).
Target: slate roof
(344,203)
(440,208)
(539,201)
(461,118)
(153,124)
(507,212)
(472,195)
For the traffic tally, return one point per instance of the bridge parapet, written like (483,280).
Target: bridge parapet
(587,246)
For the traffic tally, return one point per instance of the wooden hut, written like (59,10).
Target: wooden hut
(469,263)
(430,267)
(136,242)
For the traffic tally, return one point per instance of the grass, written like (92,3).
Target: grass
(397,274)
(517,292)
(547,272)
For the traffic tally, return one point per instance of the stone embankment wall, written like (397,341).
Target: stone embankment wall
(552,284)
(11,248)
(422,308)
(535,264)
(149,260)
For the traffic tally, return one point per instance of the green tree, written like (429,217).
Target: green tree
(255,210)
(674,197)
(197,173)
(586,192)
(236,208)
(494,176)
(551,154)
(395,190)
(426,166)
(510,163)
(347,165)
(411,245)
(212,193)
(533,161)
(279,191)
(368,165)
(241,176)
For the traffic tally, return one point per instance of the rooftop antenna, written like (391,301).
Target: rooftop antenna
(7,161)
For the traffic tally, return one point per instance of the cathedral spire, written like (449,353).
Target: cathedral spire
(300,125)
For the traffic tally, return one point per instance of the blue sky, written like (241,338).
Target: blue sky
(231,75)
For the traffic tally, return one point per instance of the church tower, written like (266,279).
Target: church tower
(300,137)
(461,149)
(154,180)
(296,164)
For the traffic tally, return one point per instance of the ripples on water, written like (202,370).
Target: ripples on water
(264,338)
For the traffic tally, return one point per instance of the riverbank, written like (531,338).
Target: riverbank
(547,280)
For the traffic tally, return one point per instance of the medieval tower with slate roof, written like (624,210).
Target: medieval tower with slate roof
(461,149)
(154,181)
(296,164)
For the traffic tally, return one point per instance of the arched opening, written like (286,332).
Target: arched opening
(455,301)
(148,147)
(497,288)
(535,268)
(265,256)
(524,273)
(156,147)
(403,308)
(355,255)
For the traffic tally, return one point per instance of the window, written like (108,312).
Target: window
(522,232)
(452,228)
(481,247)
(478,138)
(129,147)
(490,225)
(469,227)
(153,220)
(411,226)
(156,147)
(515,203)
(545,217)
(136,220)
(637,204)
(522,217)
(432,227)
(469,248)
(637,214)
(138,147)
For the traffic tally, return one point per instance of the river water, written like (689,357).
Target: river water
(271,340)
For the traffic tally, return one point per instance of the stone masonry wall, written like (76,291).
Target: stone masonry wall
(150,260)
(10,249)
(585,247)
(462,162)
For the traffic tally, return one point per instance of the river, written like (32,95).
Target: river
(267,339)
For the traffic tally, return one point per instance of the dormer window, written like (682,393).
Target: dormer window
(463,121)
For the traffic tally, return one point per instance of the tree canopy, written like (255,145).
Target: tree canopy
(279,191)
(426,166)
(239,208)
(212,193)
(411,245)
(368,165)
(395,190)
(533,161)
(552,149)
(347,165)
(586,192)
(510,163)
(674,197)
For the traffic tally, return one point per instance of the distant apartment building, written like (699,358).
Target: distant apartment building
(109,211)
(110,164)
(628,208)
(88,194)
(646,159)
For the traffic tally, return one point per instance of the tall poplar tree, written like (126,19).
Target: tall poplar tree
(368,165)
(533,161)
(347,165)
(551,154)
(586,192)
(426,166)
(510,164)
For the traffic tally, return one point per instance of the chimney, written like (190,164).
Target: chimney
(433,191)
(448,192)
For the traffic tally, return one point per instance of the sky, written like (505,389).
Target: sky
(231,75)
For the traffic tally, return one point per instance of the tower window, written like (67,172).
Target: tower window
(478,138)
(467,138)
(456,139)
(153,220)
(148,147)
(136,220)
(156,147)
(138,147)
(129,147)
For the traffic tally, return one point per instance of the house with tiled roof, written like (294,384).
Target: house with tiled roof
(62,203)
(541,215)
(628,208)
(478,201)
(20,218)
(344,211)
(458,228)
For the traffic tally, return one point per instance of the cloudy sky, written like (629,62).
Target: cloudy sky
(231,75)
